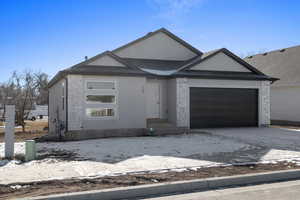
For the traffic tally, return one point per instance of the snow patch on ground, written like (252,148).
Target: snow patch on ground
(119,149)
(19,148)
(117,156)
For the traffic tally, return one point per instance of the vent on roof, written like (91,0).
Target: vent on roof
(282,50)
(264,54)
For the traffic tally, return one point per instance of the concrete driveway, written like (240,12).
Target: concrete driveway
(268,144)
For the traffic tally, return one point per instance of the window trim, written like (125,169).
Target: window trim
(101,103)
(63,95)
(100,81)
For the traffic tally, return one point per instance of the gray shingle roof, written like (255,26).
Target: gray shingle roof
(155,64)
(283,64)
(160,68)
(147,67)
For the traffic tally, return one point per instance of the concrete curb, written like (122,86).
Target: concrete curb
(176,187)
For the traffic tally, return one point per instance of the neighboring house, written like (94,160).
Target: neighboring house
(38,112)
(285,93)
(158,76)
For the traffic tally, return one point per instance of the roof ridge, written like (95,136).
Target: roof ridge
(153,59)
(108,53)
(89,60)
(272,51)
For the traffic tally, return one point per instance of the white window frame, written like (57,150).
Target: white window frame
(101,117)
(63,99)
(100,81)
(100,105)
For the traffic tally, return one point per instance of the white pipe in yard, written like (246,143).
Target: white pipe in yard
(9,137)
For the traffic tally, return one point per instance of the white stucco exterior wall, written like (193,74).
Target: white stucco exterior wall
(57,111)
(131,109)
(75,102)
(183,85)
(285,103)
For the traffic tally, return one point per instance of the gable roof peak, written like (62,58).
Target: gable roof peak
(226,52)
(165,31)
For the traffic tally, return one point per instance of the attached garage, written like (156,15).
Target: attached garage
(223,107)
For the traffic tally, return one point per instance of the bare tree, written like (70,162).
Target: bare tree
(24,90)
(7,92)
(26,85)
(42,81)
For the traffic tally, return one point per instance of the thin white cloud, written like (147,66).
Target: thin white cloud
(174,12)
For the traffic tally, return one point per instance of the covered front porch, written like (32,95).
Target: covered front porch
(160,103)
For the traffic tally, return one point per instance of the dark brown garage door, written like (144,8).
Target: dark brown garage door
(223,107)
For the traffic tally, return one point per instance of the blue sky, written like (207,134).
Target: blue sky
(50,35)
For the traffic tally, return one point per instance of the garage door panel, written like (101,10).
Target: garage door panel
(223,107)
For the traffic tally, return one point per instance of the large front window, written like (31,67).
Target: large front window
(100,85)
(100,112)
(101,99)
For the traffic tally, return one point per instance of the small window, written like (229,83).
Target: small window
(63,103)
(101,98)
(63,95)
(100,112)
(100,85)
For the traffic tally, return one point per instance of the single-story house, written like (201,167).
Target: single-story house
(158,77)
(285,93)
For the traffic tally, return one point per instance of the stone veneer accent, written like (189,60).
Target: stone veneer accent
(265,101)
(182,102)
(75,105)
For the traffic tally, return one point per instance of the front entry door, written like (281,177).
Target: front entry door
(153,100)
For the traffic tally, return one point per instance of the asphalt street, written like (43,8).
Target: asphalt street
(275,191)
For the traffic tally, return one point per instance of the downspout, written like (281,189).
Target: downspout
(48,109)
(67,88)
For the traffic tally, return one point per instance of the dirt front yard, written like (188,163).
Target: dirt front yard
(119,156)
(75,185)
(33,129)
(114,157)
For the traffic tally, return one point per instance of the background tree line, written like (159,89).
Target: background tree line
(24,90)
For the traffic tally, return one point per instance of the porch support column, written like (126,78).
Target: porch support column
(265,104)
(182,97)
